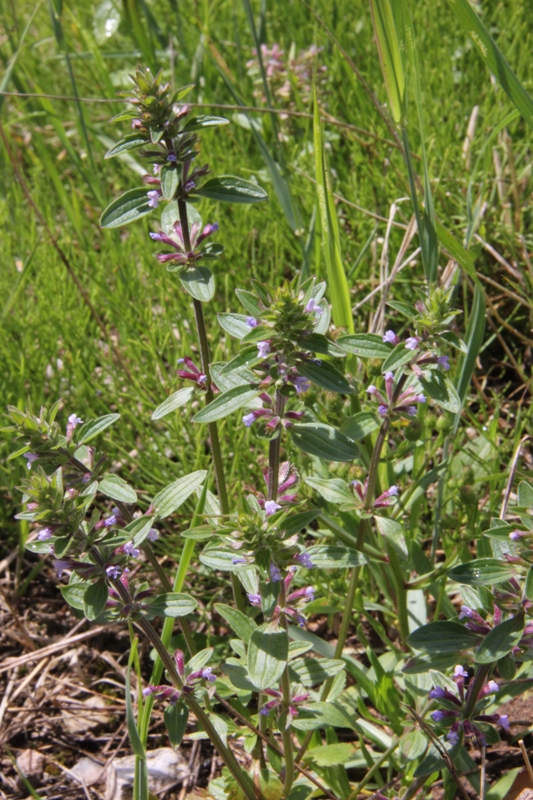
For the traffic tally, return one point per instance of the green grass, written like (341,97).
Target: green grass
(51,345)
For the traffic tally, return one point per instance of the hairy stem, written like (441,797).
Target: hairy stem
(214,439)
(288,750)
(274,451)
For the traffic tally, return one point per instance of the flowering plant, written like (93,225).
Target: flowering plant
(352,411)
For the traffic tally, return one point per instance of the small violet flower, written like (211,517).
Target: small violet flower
(130,550)
(263,349)
(153,535)
(153,198)
(113,571)
(271,507)
(252,322)
(275,574)
(304,560)
(44,535)
(30,457)
(412,343)
(443,362)
(312,307)
(391,338)
(255,600)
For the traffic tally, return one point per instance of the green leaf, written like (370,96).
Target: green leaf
(92,428)
(311,671)
(229,189)
(238,675)
(220,559)
(328,755)
(525,495)
(493,57)
(442,390)
(133,733)
(129,142)
(413,745)
(267,655)
(95,598)
(171,604)
(482,572)
(324,441)
(318,343)
(234,324)
(242,625)
(334,491)
(249,301)
(226,403)
(446,636)
(176,717)
(501,640)
(326,376)
(74,594)
(325,556)
(172,496)
(365,345)
(392,532)
(38,547)
(169,181)
(396,359)
(528,588)
(199,282)
(117,488)
(203,121)
(129,207)
(502,788)
(360,425)
(297,522)
(173,402)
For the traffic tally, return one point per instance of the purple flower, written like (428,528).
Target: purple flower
(255,599)
(384,499)
(30,457)
(172,158)
(61,566)
(504,721)
(443,362)
(113,571)
(420,398)
(411,410)
(301,384)
(313,308)
(207,674)
(460,672)
(74,420)
(153,535)
(391,338)
(304,560)
(437,716)
(263,349)
(382,409)
(515,536)
(275,574)
(412,343)
(44,535)
(252,322)
(372,389)
(236,561)
(153,198)
(130,550)
(249,419)
(271,507)
(156,237)
(189,186)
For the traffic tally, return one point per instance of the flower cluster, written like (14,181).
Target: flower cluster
(383,501)
(266,415)
(191,679)
(185,253)
(288,478)
(292,605)
(452,713)
(298,697)
(403,403)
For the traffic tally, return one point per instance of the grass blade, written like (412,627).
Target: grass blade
(390,54)
(493,57)
(337,282)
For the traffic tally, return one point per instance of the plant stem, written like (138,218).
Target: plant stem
(480,676)
(214,439)
(274,451)
(288,751)
(145,626)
